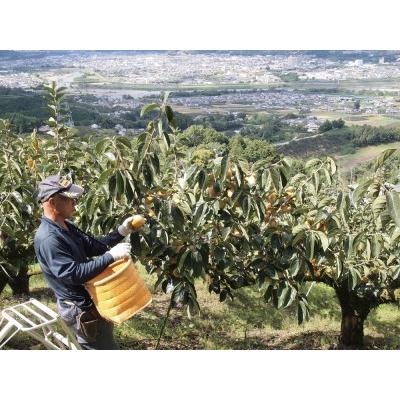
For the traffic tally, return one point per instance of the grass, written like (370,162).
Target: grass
(245,323)
(364,154)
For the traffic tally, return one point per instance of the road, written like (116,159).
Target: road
(297,139)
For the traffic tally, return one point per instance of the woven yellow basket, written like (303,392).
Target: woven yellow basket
(119,292)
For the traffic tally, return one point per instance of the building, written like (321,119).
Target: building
(312,126)
(44,129)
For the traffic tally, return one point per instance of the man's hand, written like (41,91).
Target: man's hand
(121,250)
(131,224)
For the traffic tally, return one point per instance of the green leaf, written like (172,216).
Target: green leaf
(323,239)
(148,108)
(376,245)
(147,173)
(343,205)
(327,176)
(310,245)
(103,178)
(224,167)
(339,267)
(361,189)
(170,116)
(196,264)
(302,311)
(353,278)
(201,178)
(294,268)
(238,174)
(198,215)
(276,179)
(282,293)
(332,165)
(270,271)
(348,246)
(167,140)
(155,163)
(299,228)
(286,296)
(367,249)
(17,196)
(124,141)
(112,183)
(312,163)
(120,183)
(178,217)
(395,235)
(378,205)
(382,158)
(244,231)
(316,182)
(299,236)
(182,259)
(393,204)
(395,272)
(101,145)
(226,232)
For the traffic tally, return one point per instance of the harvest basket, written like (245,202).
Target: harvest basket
(119,292)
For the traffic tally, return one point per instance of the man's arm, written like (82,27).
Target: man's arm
(96,246)
(111,239)
(64,266)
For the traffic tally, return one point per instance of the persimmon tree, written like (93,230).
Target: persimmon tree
(24,161)
(346,238)
(17,211)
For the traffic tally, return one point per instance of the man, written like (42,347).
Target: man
(65,257)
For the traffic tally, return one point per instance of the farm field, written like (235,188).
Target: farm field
(121,86)
(95,80)
(245,323)
(362,119)
(363,155)
(389,84)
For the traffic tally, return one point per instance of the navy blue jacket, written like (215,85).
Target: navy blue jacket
(65,259)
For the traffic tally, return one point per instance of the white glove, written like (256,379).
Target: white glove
(121,250)
(126,228)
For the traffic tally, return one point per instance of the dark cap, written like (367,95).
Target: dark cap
(56,184)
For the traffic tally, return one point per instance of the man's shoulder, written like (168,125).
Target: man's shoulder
(42,236)
(42,231)
(45,232)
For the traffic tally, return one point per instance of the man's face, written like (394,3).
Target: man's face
(63,206)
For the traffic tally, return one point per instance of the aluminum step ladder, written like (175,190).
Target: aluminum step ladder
(38,321)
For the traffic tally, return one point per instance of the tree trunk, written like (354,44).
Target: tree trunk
(352,330)
(3,281)
(354,312)
(20,283)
